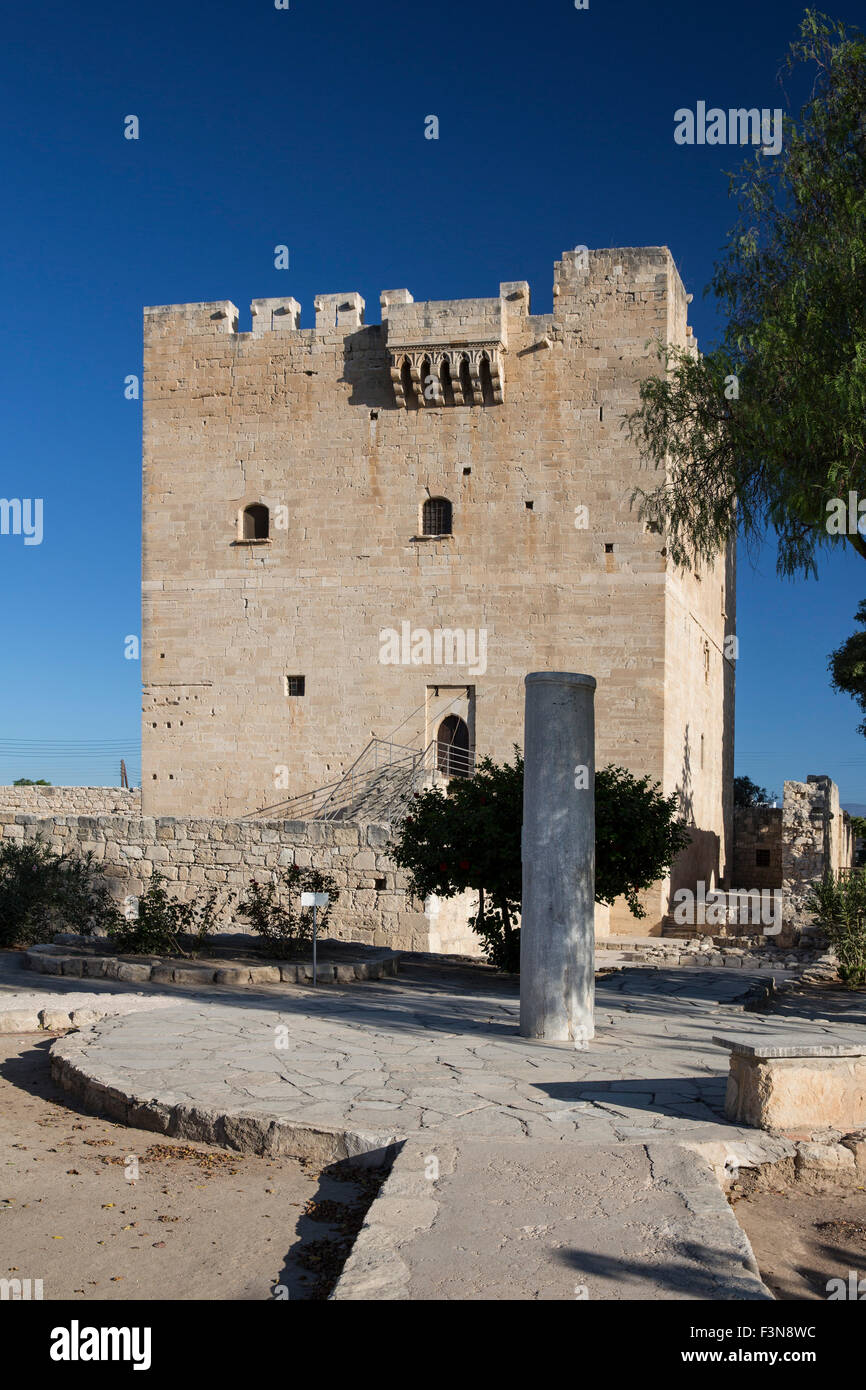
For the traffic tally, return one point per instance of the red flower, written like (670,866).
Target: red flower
(443,868)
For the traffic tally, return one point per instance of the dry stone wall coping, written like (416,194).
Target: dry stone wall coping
(359,964)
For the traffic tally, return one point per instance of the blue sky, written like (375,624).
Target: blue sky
(305,127)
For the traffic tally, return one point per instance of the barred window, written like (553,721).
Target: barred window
(436,518)
(295,685)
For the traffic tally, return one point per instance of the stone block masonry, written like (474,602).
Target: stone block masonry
(285,476)
(374,906)
(72,801)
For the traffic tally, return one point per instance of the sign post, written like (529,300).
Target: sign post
(315,901)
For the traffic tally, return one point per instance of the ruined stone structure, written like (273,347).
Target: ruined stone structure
(817,838)
(757,847)
(362,530)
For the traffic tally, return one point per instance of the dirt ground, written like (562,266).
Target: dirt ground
(801,1240)
(182,1221)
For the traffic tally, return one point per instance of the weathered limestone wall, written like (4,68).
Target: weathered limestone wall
(308,423)
(73,801)
(197,853)
(816,837)
(756,829)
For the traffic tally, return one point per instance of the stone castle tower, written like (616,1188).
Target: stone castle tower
(375,531)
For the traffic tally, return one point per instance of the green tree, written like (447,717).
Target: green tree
(748,793)
(848,665)
(470,839)
(28,782)
(763,432)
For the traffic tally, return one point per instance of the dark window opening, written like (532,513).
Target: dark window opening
(486,381)
(762,858)
(466,382)
(454,758)
(381,884)
(446,384)
(429,382)
(466,472)
(608,548)
(406,382)
(296,685)
(256,523)
(529,506)
(437,517)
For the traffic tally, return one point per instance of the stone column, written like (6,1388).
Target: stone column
(557,936)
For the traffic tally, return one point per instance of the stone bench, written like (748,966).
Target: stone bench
(798,1079)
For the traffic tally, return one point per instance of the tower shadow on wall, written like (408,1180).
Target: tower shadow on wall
(699,862)
(367,368)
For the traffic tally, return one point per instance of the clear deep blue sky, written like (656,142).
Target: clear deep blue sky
(306,127)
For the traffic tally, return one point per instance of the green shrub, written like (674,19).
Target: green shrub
(471,839)
(164,926)
(274,912)
(42,893)
(839,903)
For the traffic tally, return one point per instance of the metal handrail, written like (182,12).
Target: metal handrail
(386,761)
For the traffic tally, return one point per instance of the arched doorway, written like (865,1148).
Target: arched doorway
(453,758)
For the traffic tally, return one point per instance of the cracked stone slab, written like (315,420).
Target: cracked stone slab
(533,1221)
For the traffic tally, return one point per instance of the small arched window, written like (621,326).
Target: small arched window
(436,517)
(256,523)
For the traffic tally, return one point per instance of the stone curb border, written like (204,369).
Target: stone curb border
(248,1130)
(49,1020)
(53,960)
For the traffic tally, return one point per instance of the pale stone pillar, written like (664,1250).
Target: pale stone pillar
(557,936)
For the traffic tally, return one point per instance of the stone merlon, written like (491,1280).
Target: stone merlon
(580,278)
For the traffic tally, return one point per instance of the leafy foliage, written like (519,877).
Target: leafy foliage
(470,839)
(274,912)
(790,286)
(42,893)
(848,665)
(636,836)
(748,793)
(28,782)
(165,926)
(839,903)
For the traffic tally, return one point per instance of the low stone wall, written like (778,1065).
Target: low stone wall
(374,906)
(71,801)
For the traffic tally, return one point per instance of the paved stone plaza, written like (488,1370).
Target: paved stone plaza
(421,1054)
(616,1143)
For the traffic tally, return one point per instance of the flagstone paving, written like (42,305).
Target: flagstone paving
(431,1065)
(412,1056)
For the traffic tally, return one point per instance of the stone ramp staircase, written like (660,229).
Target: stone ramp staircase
(377,787)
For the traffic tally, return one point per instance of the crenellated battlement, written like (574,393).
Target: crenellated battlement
(580,274)
(447,352)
